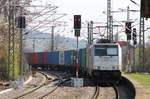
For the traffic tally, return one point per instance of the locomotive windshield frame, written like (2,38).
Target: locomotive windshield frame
(106,50)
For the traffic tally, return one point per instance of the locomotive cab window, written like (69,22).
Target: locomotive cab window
(112,51)
(106,50)
(100,52)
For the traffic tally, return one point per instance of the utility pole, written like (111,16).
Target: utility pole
(128,69)
(52,42)
(21,25)
(88,29)
(109,22)
(91,32)
(33,45)
(11,41)
(142,44)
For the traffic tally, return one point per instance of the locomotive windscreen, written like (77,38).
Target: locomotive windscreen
(106,50)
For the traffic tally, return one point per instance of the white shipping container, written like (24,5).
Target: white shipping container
(61,58)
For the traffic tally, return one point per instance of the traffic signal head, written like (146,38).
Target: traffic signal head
(128,30)
(77,21)
(134,36)
(128,27)
(21,22)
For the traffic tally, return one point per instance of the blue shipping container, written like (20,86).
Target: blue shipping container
(53,58)
(49,58)
(67,58)
(79,57)
(56,58)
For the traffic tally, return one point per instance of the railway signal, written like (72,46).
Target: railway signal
(21,22)
(128,30)
(134,36)
(77,22)
(77,27)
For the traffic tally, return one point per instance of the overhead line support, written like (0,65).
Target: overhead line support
(109,22)
(11,41)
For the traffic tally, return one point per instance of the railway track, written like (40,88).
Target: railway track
(123,90)
(96,93)
(29,92)
(99,89)
(116,91)
(57,81)
(48,93)
(60,80)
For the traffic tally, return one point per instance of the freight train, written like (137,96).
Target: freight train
(101,61)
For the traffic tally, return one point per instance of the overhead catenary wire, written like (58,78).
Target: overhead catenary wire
(44,17)
(38,26)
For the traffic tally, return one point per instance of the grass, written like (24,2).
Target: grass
(143,79)
(4,64)
(16,68)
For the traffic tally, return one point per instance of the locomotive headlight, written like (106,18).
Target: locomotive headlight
(97,67)
(115,67)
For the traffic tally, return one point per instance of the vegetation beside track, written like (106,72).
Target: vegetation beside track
(143,79)
(146,67)
(4,54)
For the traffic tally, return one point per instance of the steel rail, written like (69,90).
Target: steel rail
(29,92)
(96,93)
(60,81)
(116,91)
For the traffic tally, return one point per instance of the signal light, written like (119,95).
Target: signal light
(128,30)
(21,22)
(134,36)
(77,21)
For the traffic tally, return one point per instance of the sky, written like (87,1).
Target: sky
(91,10)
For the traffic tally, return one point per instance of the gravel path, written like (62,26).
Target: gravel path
(107,93)
(67,92)
(72,93)
(40,79)
(81,93)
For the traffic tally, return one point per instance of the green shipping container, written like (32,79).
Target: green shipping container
(83,62)
(72,58)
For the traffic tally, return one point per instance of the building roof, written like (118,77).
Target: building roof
(124,44)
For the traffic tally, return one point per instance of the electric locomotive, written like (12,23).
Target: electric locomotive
(104,61)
